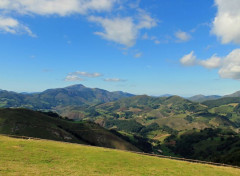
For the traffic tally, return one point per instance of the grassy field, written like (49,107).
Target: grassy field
(41,157)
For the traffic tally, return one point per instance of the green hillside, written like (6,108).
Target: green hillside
(171,120)
(215,145)
(175,113)
(51,126)
(221,101)
(41,157)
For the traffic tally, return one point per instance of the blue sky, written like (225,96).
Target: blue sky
(149,47)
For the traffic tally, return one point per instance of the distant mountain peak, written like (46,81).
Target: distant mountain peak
(166,95)
(199,95)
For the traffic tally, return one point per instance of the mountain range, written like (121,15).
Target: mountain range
(201,98)
(76,95)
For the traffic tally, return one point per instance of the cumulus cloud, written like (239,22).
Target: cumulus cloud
(145,21)
(123,30)
(77,76)
(10,25)
(114,80)
(213,62)
(119,30)
(57,7)
(229,66)
(226,24)
(73,78)
(46,7)
(87,74)
(189,59)
(182,36)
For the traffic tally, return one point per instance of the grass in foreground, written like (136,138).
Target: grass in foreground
(33,157)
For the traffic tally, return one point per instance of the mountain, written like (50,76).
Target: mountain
(201,98)
(26,93)
(236,94)
(76,95)
(166,95)
(30,123)
(227,99)
(221,101)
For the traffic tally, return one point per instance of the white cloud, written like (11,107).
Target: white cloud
(229,66)
(145,21)
(114,80)
(153,38)
(182,36)
(138,55)
(87,74)
(119,30)
(123,30)
(73,78)
(213,62)
(57,7)
(10,25)
(77,76)
(226,24)
(45,7)
(189,59)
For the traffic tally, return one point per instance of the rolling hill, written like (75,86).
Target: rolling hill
(41,157)
(171,120)
(201,98)
(144,110)
(51,126)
